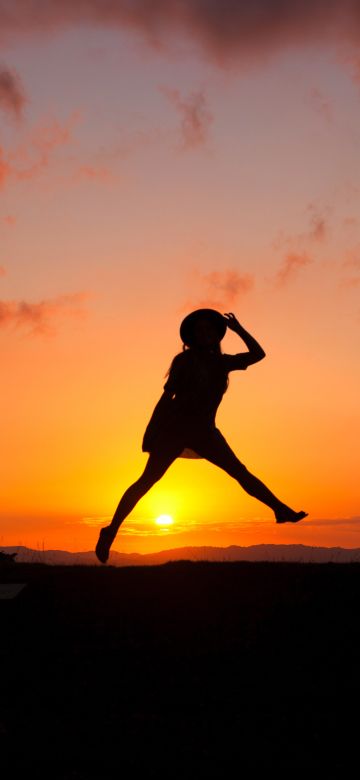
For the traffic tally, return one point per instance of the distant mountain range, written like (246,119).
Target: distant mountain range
(256,552)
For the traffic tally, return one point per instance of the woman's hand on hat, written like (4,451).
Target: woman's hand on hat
(232,322)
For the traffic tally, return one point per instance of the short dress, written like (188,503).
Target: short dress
(197,382)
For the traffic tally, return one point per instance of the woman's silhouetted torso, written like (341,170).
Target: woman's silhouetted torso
(198,378)
(197,381)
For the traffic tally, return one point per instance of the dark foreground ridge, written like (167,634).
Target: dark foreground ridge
(184,670)
(300,553)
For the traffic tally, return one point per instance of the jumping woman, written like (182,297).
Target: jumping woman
(183,422)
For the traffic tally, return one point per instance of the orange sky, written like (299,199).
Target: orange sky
(137,184)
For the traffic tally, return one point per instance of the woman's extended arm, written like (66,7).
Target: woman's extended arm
(255,350)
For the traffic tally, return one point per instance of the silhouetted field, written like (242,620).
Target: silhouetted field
(184,670)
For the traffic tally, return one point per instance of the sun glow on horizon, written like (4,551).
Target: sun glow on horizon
(164,521)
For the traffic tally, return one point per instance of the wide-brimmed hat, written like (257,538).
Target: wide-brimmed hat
(187,325)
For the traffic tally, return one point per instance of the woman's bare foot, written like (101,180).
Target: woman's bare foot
(288,515)
(102,549)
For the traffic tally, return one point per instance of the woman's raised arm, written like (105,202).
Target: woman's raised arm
(255,350)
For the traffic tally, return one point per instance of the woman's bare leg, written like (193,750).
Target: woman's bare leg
(158,462)
(217,451)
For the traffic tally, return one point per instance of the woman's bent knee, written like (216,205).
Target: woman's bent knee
(238,471)
(244,476)
(146,481)
(152,473)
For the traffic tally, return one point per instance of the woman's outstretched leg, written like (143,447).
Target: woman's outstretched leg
(217,451)
(157,464)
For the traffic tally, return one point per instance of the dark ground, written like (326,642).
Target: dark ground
(184,670)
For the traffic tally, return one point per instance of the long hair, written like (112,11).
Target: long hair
(186,348)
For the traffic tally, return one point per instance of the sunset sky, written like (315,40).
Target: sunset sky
(157,157)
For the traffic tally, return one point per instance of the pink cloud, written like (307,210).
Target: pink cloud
(5,169)
(290,265)
(34,155)
(128,143)
(230,283)
(222,289)
(12,95)
(318,226)
(351,265)
(353,259)
(93,173)
(2,270)
(37,151)
(28,159)
(321,104)
(39,316)
(195,116)
(9,220)
(316,231)
(350,221)
(351,60)
(227,31)
(350,281)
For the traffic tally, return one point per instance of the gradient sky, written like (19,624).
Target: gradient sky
(156,158)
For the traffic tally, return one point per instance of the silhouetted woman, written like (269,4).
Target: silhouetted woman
(183,422)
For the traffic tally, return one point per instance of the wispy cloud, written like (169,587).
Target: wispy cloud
(228,31)
(350,266)
(318,227)
(350,281)
(5,168)
(296,245)
(316,230)
(231,283)
(353,258)
(12,95)
(354,522)
(350,58)
(321,104)
(38,318)
(93,173)
(9,220)
(290,266)
(218,289)
(34,154)
(350,222)
(195,115)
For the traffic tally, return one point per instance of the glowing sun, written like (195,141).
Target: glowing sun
(164,521)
